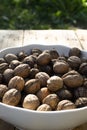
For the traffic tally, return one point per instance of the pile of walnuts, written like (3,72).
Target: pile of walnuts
(44,80)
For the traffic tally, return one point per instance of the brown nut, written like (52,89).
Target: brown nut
(81,102)
(12,97)
(31,101)
(1,78)
(44,107)
(30,60)
(83,69)
(36,51)
(2,60)
(9,57)
(14,63)
(44,58)
(65,105)
(54,54)
(8,74)
(22,70)
(54,83)
(61,67)
(43,77)
(74,62)
(72,79)
(80,92)
(3,89)
(3,67)
(21,55)
(33,72)
(52,100)
(75,52)
(42,93)
(16,82)
(64,94)
(32,86)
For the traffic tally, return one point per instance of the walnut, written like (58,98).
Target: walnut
(54,83)
(74,62)
(9,57)
(72,79)
(83,69)
(2,60)
(12,97)
(44,107)
(3,67)
(81,102)
(44,58)
(14,63)
(42,93)
(75,52)
(43,77)
(3,89)
(32,86)
(22,70)
(1,78)
(21,55)
(8,74)
(16,82)
(65,105)
(31,101)
(30,60)
(52,100)
(36,51)
(64,93)
(33,72)
(54,54)
(61,67)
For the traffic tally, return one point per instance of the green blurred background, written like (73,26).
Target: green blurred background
(43,14)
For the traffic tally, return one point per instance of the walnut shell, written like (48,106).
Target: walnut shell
(3,89)
(75,52)
(32,86)
(3,67)
(72,79)
(31,101)
(42,93)
(44,107)
(16,82)
(52,100)
(8,74)
(54,83)
(43,77)
(12,97)
(14,63)
(81,102)
(44,58)
(9,57)
(65,105)
(22,70)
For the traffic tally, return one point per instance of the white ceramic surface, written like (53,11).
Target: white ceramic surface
(33,120)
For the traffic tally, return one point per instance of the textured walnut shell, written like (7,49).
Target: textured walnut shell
(83,69)
(16,82)
(43,77)
(75,52)
(30,60)
(14,63)
(3,67)
(65,105)
(44,107)
(3,89)
(2,60)
(33,72)
(72,79)
(9,57)
(52,100)
(21,55)
(54,54)
(81,102)
(74,62)
(42,93)
(31,101)
(61,67)
(54,83)
(44,58)
(80,92)
(8,74)
(32,86)
(22,70)
(12,97)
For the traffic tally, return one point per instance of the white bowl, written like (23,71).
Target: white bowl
(35,120)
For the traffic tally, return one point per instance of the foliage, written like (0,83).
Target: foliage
(42,14)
